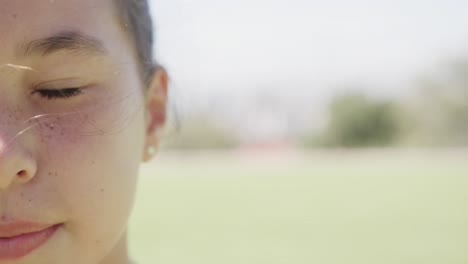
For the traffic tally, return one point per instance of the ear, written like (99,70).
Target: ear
(156,97)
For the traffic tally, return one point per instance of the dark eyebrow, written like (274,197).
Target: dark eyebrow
(65,41)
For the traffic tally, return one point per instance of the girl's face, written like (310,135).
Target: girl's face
(75,122)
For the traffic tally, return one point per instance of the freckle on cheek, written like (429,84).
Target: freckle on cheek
(11,120)
(56,131)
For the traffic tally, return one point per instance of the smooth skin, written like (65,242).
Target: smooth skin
(73,160)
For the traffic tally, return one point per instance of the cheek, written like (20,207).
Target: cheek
(97,171)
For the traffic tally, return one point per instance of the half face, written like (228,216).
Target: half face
(72,131)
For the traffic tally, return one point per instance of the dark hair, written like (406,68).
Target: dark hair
(136,19)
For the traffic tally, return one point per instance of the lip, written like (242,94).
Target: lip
(18,239)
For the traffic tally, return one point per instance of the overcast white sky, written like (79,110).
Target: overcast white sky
(295,47)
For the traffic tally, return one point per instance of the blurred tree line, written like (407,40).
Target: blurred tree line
(436,117)
(355,120)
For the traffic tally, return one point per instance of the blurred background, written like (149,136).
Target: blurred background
(306,131)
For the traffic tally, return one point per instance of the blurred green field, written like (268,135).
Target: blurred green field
(372,207)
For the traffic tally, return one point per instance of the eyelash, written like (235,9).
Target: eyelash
(51,94)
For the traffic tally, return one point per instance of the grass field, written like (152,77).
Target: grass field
(375,207)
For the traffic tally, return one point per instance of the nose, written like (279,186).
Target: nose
(17,166)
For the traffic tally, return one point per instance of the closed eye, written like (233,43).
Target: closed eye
(58,93)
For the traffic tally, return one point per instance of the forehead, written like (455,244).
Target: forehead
(25,20)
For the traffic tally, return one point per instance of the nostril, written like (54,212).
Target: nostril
(22,174)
